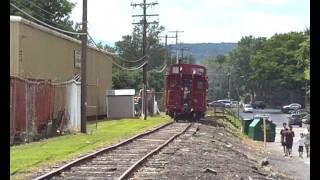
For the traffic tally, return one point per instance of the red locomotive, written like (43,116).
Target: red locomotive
(186,90)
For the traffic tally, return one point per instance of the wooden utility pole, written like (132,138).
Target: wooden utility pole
(84,41)
(182,50)
(177,49)
(166,42)
(144,51)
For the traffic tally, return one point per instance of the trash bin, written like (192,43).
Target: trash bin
(255,130)
(271,131)
(245,125)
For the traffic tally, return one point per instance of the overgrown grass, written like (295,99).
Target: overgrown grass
(25,158)
(235,121)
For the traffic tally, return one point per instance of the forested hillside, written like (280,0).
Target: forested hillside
(201,51)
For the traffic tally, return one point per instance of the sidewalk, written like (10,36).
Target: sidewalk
(295,166)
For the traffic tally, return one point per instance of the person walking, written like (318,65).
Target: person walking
(300,145)
(289,140)
(307,140)
(282,140)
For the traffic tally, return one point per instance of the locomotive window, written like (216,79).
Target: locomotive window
(200,85)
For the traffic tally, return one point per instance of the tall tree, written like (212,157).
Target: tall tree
(130,49)
(53,12)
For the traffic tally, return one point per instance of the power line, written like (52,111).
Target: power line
(177,57)
(144,22)
(43,18)
(118,56)
(115,63)
(40,8)
(41,22)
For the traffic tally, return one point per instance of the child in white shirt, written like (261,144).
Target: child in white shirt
(301,144)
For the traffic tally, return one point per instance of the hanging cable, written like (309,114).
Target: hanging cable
(61,30)
(117,55)
(33,4)
(118,65)
(39,16)
(160,71)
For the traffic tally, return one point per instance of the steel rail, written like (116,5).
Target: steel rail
(131,169)
(94,154)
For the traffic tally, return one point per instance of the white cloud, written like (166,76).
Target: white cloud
(201,20)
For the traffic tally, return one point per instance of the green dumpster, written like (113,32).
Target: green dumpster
(245,125)
(255,131)
(271,131)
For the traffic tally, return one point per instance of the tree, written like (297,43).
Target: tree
(53,12)
(130,49)
(276,66)
(239,62)
(303,55)
(217,77)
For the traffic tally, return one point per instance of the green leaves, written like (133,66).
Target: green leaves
(52,12)
(269,68)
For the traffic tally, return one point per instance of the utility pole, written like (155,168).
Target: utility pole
(177,57)
(166,42)
(84,41)
(229,77)
(182,50)
(144,23)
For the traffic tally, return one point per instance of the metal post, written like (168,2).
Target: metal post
(264,133)
(238,109)
(83,69)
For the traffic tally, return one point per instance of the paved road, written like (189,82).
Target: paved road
(295,166)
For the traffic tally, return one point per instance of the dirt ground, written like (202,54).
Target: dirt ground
(211,149)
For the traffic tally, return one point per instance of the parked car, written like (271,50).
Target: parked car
(247,108)
(227,103)
(295,119)
(258,105)
(293,106)
(234,104)
(215,104)
(306,119)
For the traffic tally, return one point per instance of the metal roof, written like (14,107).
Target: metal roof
(50,31)
(120,92)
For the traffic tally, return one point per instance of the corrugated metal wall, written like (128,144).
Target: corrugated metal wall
(34,103)
(31,105)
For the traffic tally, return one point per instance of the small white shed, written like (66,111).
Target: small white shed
(120,103)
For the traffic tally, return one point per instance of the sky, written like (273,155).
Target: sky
(203,21)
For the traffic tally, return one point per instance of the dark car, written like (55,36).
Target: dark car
(216,104)
(295,119)
(258,105)
(291,108)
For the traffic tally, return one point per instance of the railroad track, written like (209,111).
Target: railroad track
(122,160)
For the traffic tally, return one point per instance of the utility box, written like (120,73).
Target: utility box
(255,130)
(245,125)
(120,103)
